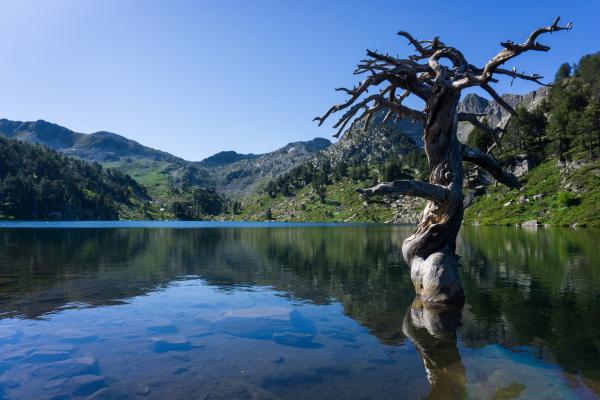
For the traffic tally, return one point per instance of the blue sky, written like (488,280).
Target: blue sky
(197,77)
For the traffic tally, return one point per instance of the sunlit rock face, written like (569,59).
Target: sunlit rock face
(496,116)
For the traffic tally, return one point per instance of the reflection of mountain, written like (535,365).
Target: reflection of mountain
(50,269)
(534,288)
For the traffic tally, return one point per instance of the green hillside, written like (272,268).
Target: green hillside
(39,183)
(552,194)
(562,138)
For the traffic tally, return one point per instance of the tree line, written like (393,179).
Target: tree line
(37,182)
(565,125)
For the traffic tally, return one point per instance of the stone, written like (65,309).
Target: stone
(165,344)
(164,329)
(294,339)
(68,368)
(46,356)
(108,394)
(533,223)
(85,385)
(75,336)
(142,390)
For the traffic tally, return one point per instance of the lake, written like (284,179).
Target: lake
(280,311)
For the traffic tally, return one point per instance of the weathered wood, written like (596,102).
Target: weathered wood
(488,163)
(430,250)
(409,188)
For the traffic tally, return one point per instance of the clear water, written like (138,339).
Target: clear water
(234,311)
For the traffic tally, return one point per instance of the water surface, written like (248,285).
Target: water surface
(132,311)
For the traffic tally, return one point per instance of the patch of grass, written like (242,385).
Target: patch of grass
(548,195)
(151,174)
(341,203)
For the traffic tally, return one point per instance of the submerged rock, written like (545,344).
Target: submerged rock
(84,385)
(68,368)
(46,356)
(75,336)
(282,325)
(165,344)
(164,329)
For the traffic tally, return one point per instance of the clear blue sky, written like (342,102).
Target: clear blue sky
(193,78)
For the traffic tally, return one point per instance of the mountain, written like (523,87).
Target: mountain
(40,183)
(495,114)
(99,146)
(376,144)
(243,176)
(225,158)
(230,172)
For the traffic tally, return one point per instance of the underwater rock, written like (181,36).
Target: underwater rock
(164,329)
(165,344)
(84,385)
(68,368)
(46,356)
(282,325)
(74,336)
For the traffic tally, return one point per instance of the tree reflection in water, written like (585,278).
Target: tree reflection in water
(432,330)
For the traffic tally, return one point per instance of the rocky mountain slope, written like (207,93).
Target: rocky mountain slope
(240,178)
(495,115)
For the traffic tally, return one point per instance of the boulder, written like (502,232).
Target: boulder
(532,223)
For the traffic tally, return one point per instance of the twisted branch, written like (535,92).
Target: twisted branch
(488,163)
(429,191)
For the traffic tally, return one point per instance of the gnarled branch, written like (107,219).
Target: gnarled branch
(472,118)
(492,166)
(413,188)
(514,74)
(511,49)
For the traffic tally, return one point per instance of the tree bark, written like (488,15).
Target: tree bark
(430,250)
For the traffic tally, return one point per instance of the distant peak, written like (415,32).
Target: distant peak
(473,103)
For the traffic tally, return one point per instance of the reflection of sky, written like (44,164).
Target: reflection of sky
(247,340)
(190,339)
(289,312)
(519,374)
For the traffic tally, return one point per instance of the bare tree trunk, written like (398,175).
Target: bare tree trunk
(430,250)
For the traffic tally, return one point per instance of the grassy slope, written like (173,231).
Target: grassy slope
(342,203)
(501,206)
(151,174)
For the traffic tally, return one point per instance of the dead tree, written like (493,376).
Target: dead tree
(430,251)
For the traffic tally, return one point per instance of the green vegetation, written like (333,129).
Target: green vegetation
(551,194)
(335,202)
(198,204)
(151,174)
(39,183)
(561,137)
(320,191)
